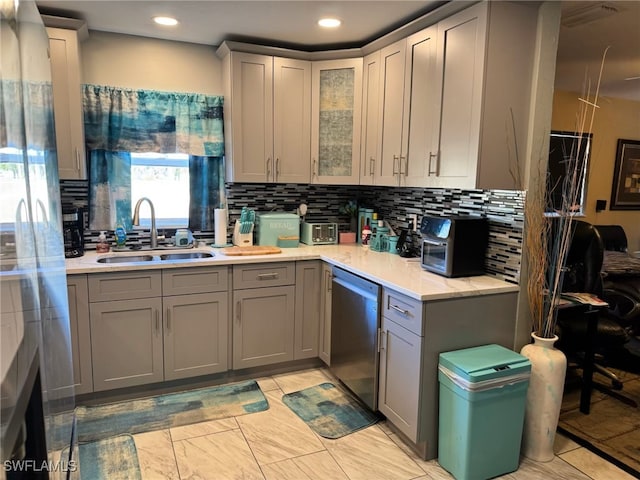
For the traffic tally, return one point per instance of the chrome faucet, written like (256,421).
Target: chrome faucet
(136,220)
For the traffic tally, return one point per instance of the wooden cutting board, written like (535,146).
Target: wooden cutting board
(252,250)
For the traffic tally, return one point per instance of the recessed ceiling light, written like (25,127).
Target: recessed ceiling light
(329,22)
(166,21)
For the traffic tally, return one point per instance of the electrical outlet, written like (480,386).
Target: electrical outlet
(413,221)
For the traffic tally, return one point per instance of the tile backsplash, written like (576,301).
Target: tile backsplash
(504,210)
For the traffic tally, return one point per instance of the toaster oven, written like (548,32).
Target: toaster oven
(454,246)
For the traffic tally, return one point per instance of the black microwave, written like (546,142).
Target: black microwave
(454,246)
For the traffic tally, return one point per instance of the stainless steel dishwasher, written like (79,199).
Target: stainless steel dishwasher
(355,320)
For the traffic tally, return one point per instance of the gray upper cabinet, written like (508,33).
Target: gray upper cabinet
(484,113)
(390,111)
(369,158)
(78,296)
(336,120)
(420,116)
(267,118)
(67,102)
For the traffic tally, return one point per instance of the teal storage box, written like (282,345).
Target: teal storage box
(483,393)
(271,226)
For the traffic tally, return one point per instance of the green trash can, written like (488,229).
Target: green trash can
(483,393)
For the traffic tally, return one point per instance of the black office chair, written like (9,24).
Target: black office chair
(621,288)
(583,274)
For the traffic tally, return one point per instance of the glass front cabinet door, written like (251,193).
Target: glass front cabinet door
(336,119)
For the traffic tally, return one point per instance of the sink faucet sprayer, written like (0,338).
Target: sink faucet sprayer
(136,220)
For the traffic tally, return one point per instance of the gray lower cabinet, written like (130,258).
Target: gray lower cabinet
(325,315)
(195,334)
(263,320)
(139,336)
(414,333)
(78,296)
(126,343)
(307,322)
(399,380)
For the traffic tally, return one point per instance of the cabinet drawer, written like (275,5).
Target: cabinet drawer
(403,310)
(194,280)
(263,275)
(105,287)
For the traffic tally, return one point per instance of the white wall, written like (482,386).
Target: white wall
(146,63)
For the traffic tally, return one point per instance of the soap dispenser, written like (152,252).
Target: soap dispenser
(102,245)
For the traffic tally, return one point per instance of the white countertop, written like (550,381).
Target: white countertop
(403,275)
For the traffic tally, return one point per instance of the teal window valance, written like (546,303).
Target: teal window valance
(117,119)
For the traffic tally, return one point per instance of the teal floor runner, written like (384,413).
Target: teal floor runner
(329,411)
(114,458)
(170,410)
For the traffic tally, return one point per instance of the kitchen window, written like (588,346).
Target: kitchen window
(164,179)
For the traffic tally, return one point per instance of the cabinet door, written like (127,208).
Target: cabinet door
(422,108)
(126,343)
(195,334)
(251,118)
(370,118)
(263,323)
(399,384)
(461,52)
(67,102)
(325,314)
(392,65)
(292,120)
(336,121)
(78,295)
(307,322)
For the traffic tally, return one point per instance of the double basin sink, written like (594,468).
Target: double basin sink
(152,258)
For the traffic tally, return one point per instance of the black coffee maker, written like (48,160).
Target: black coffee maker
(72,228)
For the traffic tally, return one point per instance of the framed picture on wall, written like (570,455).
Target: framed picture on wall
(625,191)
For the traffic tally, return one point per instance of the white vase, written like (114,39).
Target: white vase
(544,397)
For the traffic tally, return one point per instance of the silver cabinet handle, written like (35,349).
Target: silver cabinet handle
(267,276)
(168,320)
(327,281)
(406,165)
(395,157)
(398,309)
(238,314)
(78,160)
(277,174)
(372,166)
(157,312)
(268,168)
(314,170)
(430,171)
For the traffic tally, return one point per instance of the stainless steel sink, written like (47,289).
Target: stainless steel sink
(185,255)
(126,259)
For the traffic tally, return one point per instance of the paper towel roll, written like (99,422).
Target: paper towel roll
(220,225)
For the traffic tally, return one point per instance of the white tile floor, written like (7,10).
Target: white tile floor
(277,445)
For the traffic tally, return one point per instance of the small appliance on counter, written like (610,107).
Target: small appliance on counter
(278,229)
(73,232)
(319,233)
(454,246)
